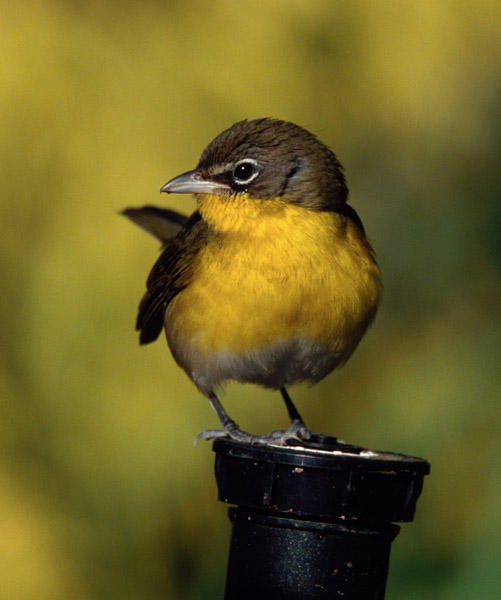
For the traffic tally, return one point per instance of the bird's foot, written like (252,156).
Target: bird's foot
(297,432)
(230,433)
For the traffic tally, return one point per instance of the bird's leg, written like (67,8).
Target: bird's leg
(291,409)
(229,428)
(296,432)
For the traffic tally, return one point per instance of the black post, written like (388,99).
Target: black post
(313,521)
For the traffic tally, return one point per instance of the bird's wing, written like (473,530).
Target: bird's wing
(170,274)
(162,223)
(351,213)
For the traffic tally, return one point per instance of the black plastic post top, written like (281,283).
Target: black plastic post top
(313,521)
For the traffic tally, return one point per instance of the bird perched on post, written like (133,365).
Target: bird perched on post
(271,280)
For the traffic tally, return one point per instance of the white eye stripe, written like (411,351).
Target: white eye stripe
(243,166)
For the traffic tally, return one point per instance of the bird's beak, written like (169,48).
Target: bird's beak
(192,182)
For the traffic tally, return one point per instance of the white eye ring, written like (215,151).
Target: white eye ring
(245,171)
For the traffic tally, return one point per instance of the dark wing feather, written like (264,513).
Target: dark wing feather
(170,274)
(163,223)
(351,213)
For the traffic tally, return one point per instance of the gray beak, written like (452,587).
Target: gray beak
(192,182)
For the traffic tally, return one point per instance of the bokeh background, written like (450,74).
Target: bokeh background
(102,495)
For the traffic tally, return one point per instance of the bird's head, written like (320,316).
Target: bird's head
(266,159)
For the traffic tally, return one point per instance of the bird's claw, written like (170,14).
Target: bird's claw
(230,433)
(297,432)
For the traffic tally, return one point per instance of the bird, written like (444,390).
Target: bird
(271,280)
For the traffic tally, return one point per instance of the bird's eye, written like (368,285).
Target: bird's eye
(245,171)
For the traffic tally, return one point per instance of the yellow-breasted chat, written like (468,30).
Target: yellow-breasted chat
(271,280)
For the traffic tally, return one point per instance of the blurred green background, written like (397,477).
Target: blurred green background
(102,494)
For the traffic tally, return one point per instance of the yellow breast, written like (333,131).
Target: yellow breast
(273,271)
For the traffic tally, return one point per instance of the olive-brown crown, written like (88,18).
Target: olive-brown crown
(268,158)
